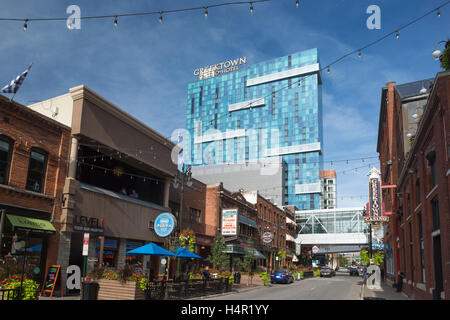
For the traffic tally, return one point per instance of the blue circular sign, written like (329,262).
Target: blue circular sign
(164,224)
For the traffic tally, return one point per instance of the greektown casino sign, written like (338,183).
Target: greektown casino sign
(219,68)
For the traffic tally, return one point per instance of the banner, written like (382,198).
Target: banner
(229,222)
(375,210)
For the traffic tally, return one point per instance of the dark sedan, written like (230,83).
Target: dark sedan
(284,276)
(327,272)
(353,271)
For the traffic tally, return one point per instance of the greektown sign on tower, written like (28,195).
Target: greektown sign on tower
(219,68)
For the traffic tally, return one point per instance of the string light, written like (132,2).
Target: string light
(206,12)
(439,13)
(297,3)
(251,7)
(115,21)
(25,25)
(160,17)
(397,35)
(359,54)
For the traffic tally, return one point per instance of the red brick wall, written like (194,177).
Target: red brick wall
(29,129)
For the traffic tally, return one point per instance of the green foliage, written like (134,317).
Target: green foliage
(365,259)
(377,257)
(218,258)
(29,287)
(281,254)
(265,277)
(246,263)
(445,58)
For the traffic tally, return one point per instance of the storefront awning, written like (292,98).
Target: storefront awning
(290,221)
(31,224)
(290,238)
(247,221)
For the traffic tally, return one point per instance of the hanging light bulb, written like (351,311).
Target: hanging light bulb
(397,35)
(359,54)
(115,21)
(160,17)
(251,7)
(328,70)
(206,12)
(25,25)
(297,3)
(439,13)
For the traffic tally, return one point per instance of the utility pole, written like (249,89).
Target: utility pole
(180,178)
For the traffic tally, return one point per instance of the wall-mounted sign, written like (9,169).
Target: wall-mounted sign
(267,237)
(229,222)
(164,224)
(87,224)
(315,249)
(86,244)
(219,68)
(375,210)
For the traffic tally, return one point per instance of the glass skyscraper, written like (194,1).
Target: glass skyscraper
(240,113)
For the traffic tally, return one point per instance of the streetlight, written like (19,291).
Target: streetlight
(180,178)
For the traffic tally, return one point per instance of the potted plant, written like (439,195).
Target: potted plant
(124,284)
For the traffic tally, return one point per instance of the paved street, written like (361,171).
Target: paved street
(340,287)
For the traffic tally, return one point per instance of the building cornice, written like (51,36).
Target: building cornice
(83,92)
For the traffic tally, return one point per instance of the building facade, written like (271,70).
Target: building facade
(241,233)
(118,182)
(250,115)
(414,161)
(328,199)
(34,154)
(280,223)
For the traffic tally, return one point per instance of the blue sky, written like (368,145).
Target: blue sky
(144,66)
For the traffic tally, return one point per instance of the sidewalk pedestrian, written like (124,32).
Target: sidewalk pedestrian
(400,277)
(206,274)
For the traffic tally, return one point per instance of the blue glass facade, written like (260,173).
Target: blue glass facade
(286,111)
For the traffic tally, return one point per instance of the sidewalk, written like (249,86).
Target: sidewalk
(387,292)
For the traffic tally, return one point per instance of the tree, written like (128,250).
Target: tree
(247,262)
(218,258)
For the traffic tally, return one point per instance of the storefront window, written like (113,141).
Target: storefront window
(110,249)
(133,260)
(14,246)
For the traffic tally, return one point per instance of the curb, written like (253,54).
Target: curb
(227,293)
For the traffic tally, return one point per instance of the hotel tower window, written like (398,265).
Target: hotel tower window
(36,170)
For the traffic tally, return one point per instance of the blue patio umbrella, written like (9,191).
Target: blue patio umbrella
(150,249)
(184,253)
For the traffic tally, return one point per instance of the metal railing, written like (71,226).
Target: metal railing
(9,294)
(186,289)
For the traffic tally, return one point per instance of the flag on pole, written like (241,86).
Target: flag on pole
(15,84)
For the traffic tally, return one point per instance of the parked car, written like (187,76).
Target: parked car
(353,271)
(281,276)
(342,269)
(327,272)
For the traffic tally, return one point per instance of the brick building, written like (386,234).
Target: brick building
(413,140)
(34,151)
(280,222)
(246,229)
(193,215)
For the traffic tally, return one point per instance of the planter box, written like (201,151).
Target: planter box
(257,280)
(115,290)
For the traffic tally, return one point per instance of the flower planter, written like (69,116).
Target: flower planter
(116,290)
